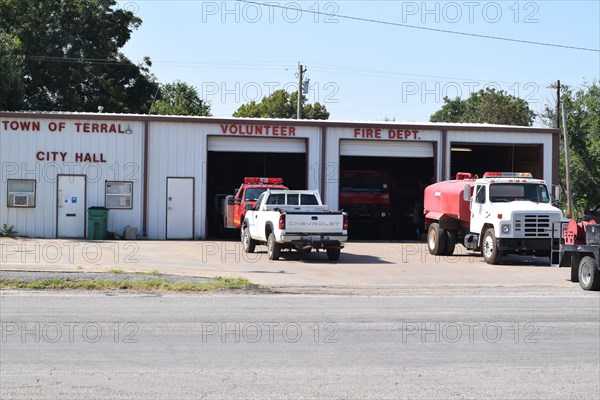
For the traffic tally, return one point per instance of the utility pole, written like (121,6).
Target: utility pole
(301,72)
(567,166)
(558,104)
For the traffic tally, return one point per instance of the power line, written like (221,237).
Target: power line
(397,24)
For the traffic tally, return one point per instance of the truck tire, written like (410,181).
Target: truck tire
(489,249)
(436,239)
(589,276)
(273,248)
(450,242)
(333,254)
(248,243)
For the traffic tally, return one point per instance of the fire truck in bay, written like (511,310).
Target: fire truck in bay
(501,213)
(235,206)
(365,196)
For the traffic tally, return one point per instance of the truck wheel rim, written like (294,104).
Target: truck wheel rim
(431,239)
(585,274)
(246,241)
(488,247)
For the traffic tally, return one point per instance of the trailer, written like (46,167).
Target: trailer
(580,250)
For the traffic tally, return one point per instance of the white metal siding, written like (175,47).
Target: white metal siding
(266,145)
(385,148)
(18,149)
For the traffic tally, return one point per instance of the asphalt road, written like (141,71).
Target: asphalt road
(526,344)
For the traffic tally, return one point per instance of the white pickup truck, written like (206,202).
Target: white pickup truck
(294,219)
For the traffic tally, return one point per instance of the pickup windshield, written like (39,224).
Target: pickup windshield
(253,193)
(363,182)
(505,192)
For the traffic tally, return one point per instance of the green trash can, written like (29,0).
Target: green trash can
(97,223)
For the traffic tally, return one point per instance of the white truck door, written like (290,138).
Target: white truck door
(479,208)
(252,219)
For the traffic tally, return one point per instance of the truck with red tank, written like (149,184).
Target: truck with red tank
(580,250)
(501,213)
(365,196)
(235,206)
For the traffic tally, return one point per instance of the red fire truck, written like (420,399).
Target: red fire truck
(235,206)
(365,196)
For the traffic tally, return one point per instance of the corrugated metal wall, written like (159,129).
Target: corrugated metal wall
(19,147)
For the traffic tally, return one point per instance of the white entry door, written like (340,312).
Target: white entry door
(180,208)
(71,206)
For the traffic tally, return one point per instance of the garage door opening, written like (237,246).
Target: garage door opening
(480,158)
(226,171)
(384,195)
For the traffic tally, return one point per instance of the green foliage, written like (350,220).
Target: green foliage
(582,108)
(12,69)
(281,104)
(486,106)
(8,231)
(72,57)
(179,98)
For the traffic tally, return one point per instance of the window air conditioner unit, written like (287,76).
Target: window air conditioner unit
(18,200)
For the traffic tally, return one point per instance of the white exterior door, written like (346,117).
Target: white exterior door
(180,208)
(71,206)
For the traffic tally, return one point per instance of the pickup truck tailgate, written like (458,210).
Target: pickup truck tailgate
(310,223)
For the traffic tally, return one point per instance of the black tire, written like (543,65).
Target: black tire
(248,243)
(450,242)
(436,239)
(589,276)
(575,260)
(333,254)
(489,248)
(273,248)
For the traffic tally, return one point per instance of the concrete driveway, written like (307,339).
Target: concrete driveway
(362,264)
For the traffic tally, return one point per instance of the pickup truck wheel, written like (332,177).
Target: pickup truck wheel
(436,240)
(589,276)
(333,254)
(489,248)
(273,248)
(450,242)
(248,243)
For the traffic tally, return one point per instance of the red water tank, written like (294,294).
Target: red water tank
(445,200)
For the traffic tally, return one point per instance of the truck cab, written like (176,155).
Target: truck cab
(511,213)
(244,198)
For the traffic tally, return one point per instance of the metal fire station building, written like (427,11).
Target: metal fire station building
(163,174)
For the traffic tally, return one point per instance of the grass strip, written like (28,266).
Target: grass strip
(158,284)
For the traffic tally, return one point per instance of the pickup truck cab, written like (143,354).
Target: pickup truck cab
(294,219)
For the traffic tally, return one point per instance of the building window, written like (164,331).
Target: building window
(119,195)
(21,193)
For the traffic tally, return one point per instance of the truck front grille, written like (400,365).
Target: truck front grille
(533,225)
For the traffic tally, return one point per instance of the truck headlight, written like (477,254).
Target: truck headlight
(506,229)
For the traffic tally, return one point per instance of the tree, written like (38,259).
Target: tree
(582,109)
(72,57)
(12,68)
(179,98)
(281,104)
(486,106)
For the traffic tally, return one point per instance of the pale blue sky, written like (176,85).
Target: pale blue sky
(234,53)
